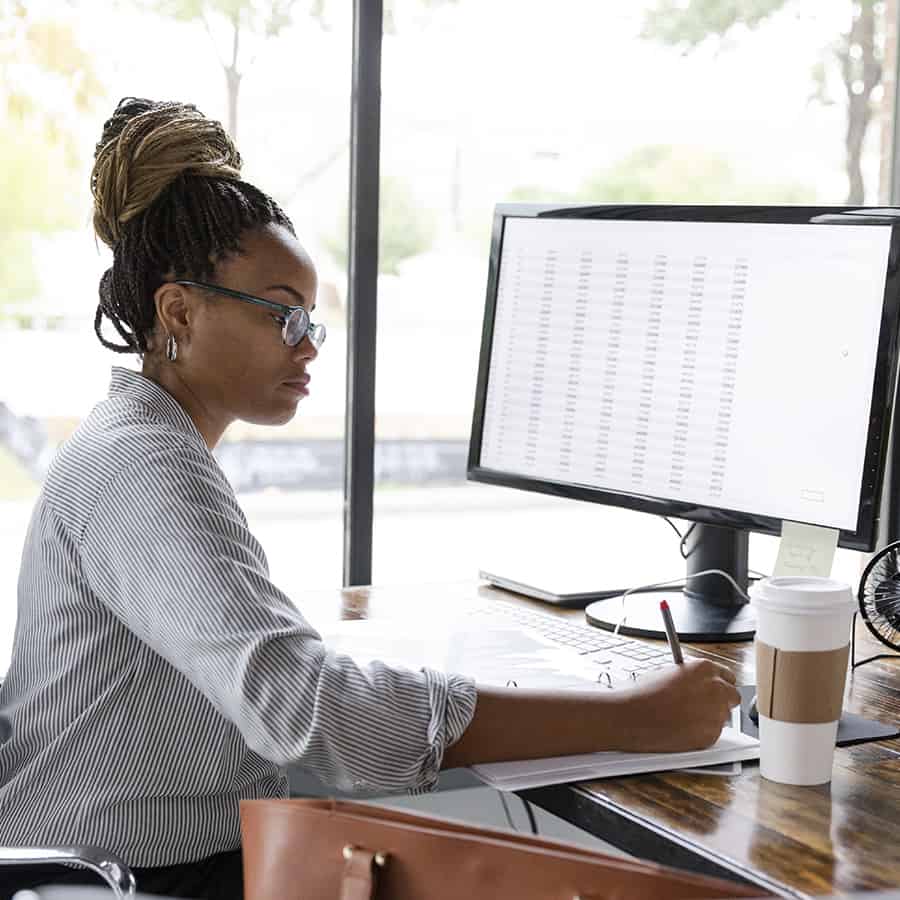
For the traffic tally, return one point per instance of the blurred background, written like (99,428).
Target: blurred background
(715,101)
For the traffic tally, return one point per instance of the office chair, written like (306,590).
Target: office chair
(109,868)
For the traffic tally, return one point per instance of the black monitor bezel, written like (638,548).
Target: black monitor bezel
(865,535)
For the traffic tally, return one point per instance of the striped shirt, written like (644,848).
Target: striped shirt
(158,676)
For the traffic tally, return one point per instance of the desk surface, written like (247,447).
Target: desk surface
(793,841)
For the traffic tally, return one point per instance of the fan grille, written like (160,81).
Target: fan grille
(879,596)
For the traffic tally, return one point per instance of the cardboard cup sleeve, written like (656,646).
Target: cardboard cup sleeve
(804,686)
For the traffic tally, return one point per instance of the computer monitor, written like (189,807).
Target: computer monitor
(729,365)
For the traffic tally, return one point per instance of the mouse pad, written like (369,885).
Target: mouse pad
(851,729)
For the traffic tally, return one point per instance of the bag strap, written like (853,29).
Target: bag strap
(359,880)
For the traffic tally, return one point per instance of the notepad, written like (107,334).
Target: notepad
(732,746)
(805,550)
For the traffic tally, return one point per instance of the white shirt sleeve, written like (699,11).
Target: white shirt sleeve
(168,550)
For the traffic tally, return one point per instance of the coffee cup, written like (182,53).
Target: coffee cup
(802,648)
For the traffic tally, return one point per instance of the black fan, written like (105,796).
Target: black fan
(879,595)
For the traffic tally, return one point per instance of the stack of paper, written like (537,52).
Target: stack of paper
(732,746)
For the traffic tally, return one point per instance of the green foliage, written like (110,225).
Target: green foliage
(266,17)
(38,168)
(688,25)
(263,17)
(55,50)
(663,174)
(532,193)
(406,228)
(35,182)
(856,54)
(38,197)
(38,57)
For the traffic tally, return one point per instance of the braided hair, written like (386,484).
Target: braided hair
(168,201)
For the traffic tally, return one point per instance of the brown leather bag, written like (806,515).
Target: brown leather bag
(334,850)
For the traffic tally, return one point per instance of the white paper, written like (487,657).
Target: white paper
(491,653)
(734,768)
(805,550)
(516,776)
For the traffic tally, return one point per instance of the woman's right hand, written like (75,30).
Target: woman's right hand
(682,708)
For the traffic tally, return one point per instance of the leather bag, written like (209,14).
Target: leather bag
(336,850)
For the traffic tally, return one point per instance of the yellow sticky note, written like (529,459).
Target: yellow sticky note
(805,550)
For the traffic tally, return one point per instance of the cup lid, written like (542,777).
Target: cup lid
(802,594)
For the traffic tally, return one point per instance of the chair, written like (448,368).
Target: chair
(108,867)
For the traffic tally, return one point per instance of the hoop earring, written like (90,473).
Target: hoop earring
(171,348)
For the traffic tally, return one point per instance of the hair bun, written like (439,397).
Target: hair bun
(145,146)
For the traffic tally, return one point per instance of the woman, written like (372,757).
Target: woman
(158,676)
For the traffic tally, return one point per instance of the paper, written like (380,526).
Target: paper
(732,746)
(805,550)
(492,654)
(734,768)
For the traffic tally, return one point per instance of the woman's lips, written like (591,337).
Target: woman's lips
(298,385)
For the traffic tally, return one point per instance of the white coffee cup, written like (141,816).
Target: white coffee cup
(802,643)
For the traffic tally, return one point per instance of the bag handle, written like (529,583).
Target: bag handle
(359,880)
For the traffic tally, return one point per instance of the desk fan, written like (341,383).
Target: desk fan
(879,598)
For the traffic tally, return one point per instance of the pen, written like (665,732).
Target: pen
(671,633)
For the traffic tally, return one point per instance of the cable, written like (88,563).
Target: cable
(672,525)
(854,663)
(869,659)
(531,819)
(681,537)
(687,534)
(673,583)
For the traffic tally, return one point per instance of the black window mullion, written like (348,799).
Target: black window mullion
(362,277)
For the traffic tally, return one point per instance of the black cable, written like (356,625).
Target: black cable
(869,659)
(853,663)
(531,819)
(672,525)
(687,534)
(682,537)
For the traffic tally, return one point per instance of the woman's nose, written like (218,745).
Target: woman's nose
(305,349)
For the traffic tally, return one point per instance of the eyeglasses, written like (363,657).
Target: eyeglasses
(294,320)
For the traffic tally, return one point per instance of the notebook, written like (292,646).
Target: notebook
(733,746)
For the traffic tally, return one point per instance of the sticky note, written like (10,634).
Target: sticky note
(805,550)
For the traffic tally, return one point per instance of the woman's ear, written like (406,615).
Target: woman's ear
(173,310)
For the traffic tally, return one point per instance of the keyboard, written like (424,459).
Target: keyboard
(620,660)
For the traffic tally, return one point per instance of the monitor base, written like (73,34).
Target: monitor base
(695,620)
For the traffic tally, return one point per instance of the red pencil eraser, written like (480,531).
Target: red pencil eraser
(663,604)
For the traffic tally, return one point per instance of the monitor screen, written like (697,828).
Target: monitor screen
(729,365)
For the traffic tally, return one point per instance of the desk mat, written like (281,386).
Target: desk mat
(852,729)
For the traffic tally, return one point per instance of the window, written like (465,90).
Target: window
(637,102)
(281,83)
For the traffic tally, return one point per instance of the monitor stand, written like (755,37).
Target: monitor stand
(707,610)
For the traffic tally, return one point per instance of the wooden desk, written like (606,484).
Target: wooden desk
(792,841)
